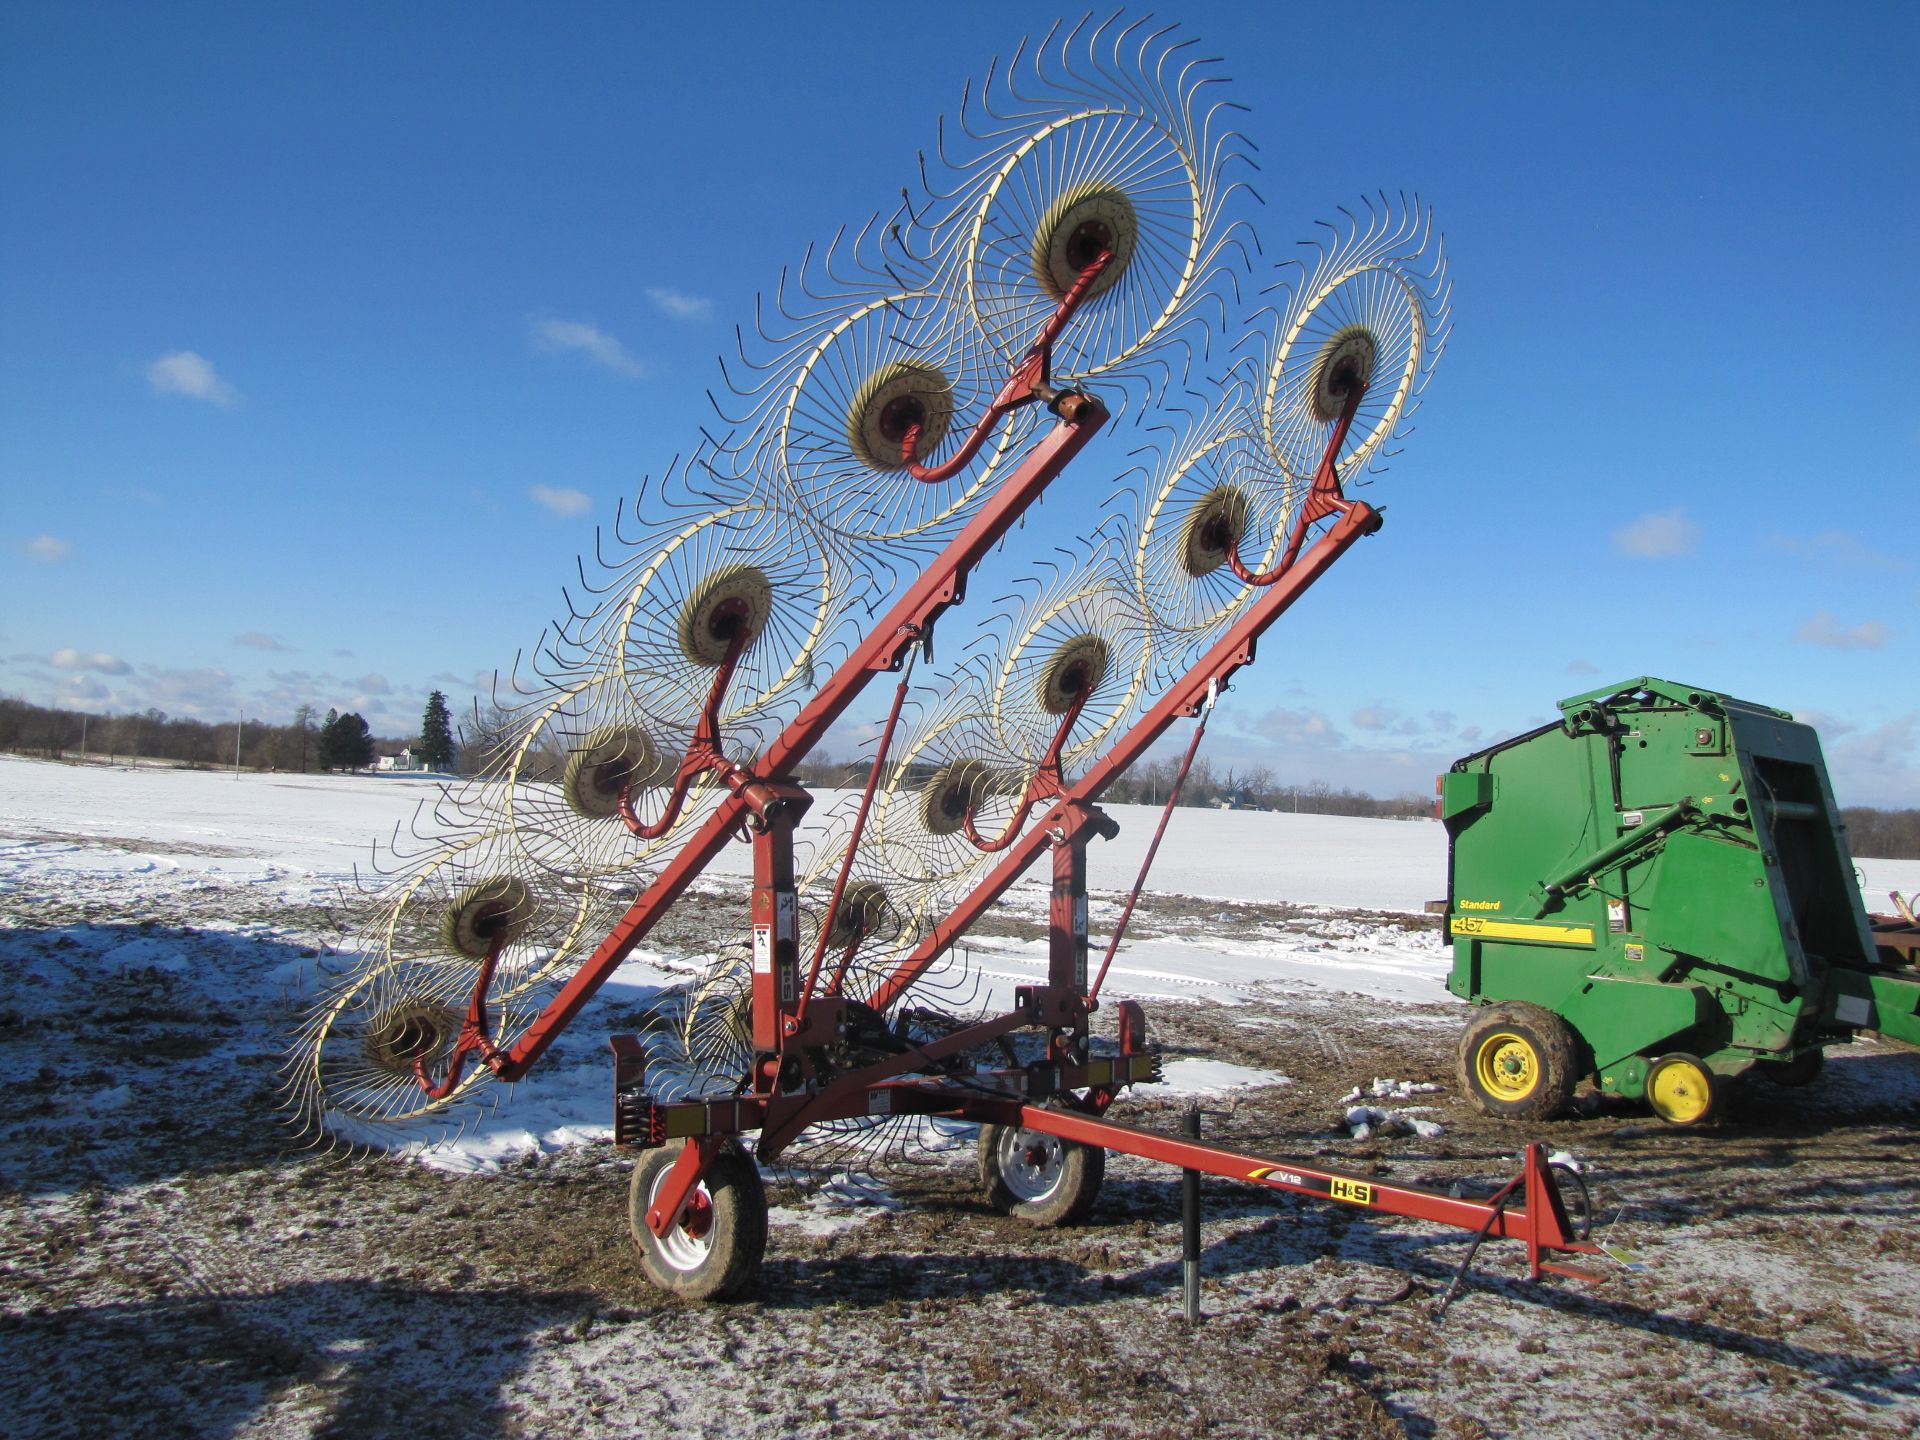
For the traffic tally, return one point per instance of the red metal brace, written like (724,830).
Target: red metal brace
(846,866)
(885,647)
(1185,698)
(473,1032)
(679,1201)
(1030,381)
(1047,784)
(703,750)
(1323,498)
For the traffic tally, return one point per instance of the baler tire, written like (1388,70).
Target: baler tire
(1803,1069)
(1054,1187)
(723,1259)
(1690,1101)
(1527,1042)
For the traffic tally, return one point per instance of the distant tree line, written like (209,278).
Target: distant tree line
(1882,834)
(1871,834)
(345,742)
(1150,782)
(341,742)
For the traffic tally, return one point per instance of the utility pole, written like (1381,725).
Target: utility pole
(238,724)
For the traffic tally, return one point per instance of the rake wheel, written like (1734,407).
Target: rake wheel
(755,568)
(1106,177)
(890,402)
(1373,311)
(612,761)
(492,911)
(837,435)
(1084,639)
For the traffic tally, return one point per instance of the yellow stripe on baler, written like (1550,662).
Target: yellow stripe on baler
(1483,929)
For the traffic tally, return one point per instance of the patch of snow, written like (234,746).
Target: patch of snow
(1363,1122)
(1209,1077)
(843,1202)
(145,955)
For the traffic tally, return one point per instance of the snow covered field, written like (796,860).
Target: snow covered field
(293,841)
(310,827)
(159,928)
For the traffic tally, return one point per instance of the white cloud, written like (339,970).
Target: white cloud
(1582,667)
(181,372)
(199,691)
(1879,767)
(49,548)
(558,336)
(679,305)
(1823,629)
(1304,728)
(70,659)
(562,501)
(1662,533)
(258,640)
(1840,549)
(375,684)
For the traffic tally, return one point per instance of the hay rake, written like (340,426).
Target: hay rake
(911,395)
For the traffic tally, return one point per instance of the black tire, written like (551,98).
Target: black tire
(1037,1178)
(1803,1069)
(716,1253)
(1517,1061)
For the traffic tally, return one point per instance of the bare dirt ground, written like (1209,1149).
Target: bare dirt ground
(172,1260)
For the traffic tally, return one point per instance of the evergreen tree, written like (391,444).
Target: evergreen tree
(326,750)
(356,743)
(345,742)
(303,733)
(436,734)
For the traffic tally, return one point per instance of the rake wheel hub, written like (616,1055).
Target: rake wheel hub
(1214,527)
(894,399)
(492,911)
(408,1033)
(732,599)
(1087,219)
(1345,362)
(1073,673)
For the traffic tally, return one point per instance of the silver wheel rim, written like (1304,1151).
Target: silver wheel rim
(1032,1163)
(682,1250)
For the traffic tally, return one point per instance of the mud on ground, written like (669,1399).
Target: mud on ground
(169,1252)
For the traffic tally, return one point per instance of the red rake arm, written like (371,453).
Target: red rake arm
(1030,381)
(1289,581)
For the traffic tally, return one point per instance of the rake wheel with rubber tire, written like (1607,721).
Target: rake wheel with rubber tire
(1517,1062)
(1038,1178)
(716,1249)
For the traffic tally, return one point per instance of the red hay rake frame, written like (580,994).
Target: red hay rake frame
(794,1020)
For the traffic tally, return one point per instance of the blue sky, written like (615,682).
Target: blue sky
(329,333)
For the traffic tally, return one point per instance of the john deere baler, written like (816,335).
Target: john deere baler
(1656,891)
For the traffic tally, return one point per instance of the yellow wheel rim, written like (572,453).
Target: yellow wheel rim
(1507,1067)
(1679,1092)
